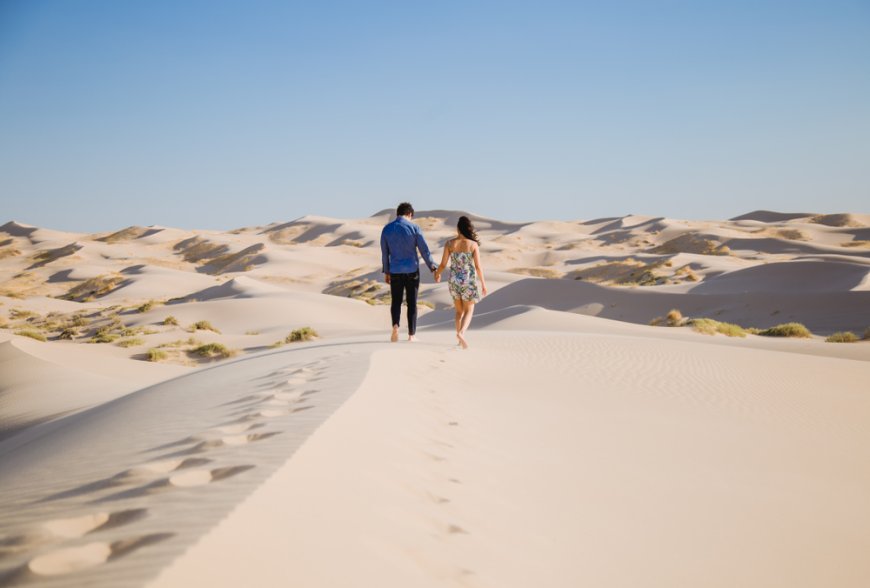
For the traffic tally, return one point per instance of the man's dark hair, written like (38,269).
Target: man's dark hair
(405,209)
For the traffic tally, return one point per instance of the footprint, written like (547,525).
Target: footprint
(79,526)
(81,557)
(185,479)
(133,475)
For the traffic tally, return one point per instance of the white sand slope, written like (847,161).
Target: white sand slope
(566,460)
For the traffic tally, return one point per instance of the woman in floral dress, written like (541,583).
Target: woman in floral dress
(467,285)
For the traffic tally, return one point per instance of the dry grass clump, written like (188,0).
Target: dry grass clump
(674,318)
(94,287)
(686,272)
(47,256)
(202,326)
(842,337)
(189,342)
(212,351)
(198,249)
(147,306)
(303,334)
(242,261)
(791,234)
(711,327)
(156,355)
(856,243)
(786,330)
(32,334)
(170,321)
(866,335)
(79,320)
(537,272)
(691,243)
(128,234)
(623,272)
(131,342)
(20,314)
(426,304)
(104,337)
(9,252)
(369,291)
(68,334)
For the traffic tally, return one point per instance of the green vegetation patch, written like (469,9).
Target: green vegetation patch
(32,334)
(303,334)
(842,337)
(711,327)
(212,351)
(786,330)
(94,287)
(131,342)
(202,326)
(156,355)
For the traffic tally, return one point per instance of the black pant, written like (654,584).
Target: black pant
(409,285)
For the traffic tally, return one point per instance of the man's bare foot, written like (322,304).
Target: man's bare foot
(462,341)
(395,335)
(412,338)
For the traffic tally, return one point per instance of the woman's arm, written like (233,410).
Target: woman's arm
(479,269)
(444,259)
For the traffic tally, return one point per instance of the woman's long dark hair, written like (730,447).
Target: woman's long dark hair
(466,229)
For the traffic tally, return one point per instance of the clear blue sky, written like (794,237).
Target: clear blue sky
(219,114)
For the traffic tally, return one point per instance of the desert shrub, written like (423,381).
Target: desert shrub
(130,342)
(20,314)
(31,333)
(212,350)
(94,287)
(866,334)
(276,344)
(68,334)
(303,334)
(80,320)
(104,337)
(170,320)
(203,326)
(786,330)
(147,306)
(674,318)
(842,337)
(155,355)
(711,327)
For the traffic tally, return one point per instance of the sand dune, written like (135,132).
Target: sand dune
(219,408)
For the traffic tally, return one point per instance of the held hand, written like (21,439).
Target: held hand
(437,276)
(387,278)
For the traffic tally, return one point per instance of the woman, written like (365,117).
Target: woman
(466,277)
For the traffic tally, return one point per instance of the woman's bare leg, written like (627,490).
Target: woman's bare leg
(467,313)
(457,305)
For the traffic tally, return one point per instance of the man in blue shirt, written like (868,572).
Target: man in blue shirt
(400,241)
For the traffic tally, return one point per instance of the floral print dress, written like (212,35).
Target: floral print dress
(463,277)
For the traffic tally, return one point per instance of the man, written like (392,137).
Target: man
(400,241)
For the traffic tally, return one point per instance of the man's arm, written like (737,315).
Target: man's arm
(385,256)
(424,251)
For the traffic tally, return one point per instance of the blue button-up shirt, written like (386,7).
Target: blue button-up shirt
(400,241)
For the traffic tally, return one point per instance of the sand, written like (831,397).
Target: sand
(572,444)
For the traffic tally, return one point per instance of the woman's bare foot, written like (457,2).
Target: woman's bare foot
(462,341)
(395,335)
